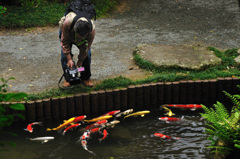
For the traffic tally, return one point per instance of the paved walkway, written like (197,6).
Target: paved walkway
(34,59)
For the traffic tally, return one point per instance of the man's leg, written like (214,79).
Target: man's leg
(85,75)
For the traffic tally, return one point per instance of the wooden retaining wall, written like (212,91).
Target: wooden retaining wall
(140,97)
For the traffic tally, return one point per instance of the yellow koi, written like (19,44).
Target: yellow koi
(99,118)
(141,113)
(169,113)
(69,121)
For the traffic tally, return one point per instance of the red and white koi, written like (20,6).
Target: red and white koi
(192,107)
(162,136)
(84,145)
(97,124)
(114,112)
(167,119)
(70,128)
(30,128)
(104,135)
(86,135)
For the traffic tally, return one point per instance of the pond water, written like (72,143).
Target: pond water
(131,138)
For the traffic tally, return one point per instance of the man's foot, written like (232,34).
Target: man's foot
(66,84)
(87,83)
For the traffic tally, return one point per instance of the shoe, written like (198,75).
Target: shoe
(87,83)
(66,84)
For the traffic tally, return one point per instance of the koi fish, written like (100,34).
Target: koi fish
(85,136)
(42,139)
(169,113)
(79,118)
(126,112)
(112,123)
(66,123)
(104,135)
(99,118)
(167,119)
(162,136)
(94,130)
(97,124)
(71,127)
(112,112)
(141,113)
(84,145)
(192,107)
(30,128)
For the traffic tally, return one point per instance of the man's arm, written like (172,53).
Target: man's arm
(65,42)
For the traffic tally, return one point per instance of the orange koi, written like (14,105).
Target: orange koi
(184,106)
(104,135)
(162,136)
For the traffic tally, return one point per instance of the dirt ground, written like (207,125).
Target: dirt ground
(32,55)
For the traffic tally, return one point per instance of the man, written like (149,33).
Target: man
(81,35)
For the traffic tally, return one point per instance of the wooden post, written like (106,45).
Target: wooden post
(175,92)
(116,99)
(47,108)
(153,95)
(198,91)
(39,110)
(183,92)
(131,97)
(205,92)
(63,107)
(236,81)
(190,91)
(31,111)
(124,98)
(102,101)
(78,104)
(109,100)
(221,86)
(229,85)
(55,108)
(168,93)
(161,92)
(139,97)
(70,106)
(86,104)
(213,91)
(94,103)
(146,96)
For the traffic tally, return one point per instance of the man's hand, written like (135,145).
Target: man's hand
(70,63)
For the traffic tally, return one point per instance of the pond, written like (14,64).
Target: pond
(132,138)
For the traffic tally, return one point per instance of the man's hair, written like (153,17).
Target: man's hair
(82,27)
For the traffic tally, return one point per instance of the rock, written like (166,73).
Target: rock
(237,59)
(183,56)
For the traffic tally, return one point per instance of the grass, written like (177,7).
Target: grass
(228,68)
(47,13)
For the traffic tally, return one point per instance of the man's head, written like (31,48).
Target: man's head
(82,28)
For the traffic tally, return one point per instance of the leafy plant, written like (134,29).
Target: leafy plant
(2,9)
(223,126)
(7,119)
